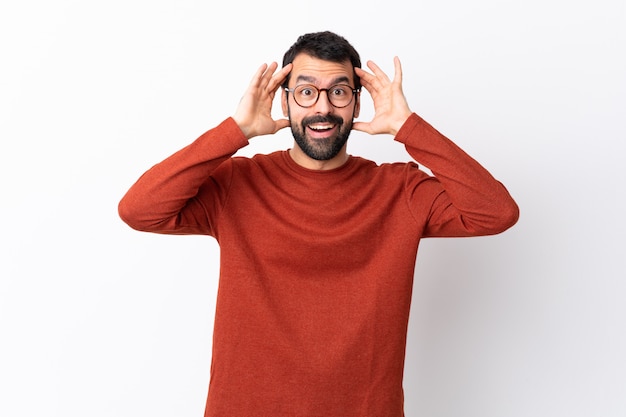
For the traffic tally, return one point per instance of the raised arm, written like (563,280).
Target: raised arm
(163,200)
(468,200)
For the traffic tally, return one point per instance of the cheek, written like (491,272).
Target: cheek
(295,114)
(349,114)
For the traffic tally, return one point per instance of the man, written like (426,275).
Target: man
(317,247)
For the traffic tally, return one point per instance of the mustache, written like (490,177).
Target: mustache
(329,118)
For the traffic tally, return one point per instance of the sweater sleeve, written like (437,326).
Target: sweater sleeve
(165,198)
(466,199)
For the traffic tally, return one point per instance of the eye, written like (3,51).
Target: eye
(306,91)
(339,90)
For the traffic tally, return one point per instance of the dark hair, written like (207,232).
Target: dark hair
(324,45)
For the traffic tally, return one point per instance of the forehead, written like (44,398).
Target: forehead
(320,72)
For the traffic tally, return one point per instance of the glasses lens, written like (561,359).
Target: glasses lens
(340,95)
(306,95)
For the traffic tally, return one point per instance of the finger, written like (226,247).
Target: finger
(281,124)
(256,79)
(268,73)
(362,127)
(362,74)
(398,70)
(284,71)
(377,71)
(279,77)
(366,78)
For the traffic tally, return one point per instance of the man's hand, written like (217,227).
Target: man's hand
(254,113)
(391,109)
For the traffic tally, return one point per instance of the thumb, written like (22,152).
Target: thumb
(281,124)
(362,127)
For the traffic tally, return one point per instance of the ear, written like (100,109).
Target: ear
(283,102)
(357,106)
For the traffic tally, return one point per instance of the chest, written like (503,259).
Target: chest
(319,225)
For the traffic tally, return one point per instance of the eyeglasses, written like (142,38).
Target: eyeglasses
(306,95)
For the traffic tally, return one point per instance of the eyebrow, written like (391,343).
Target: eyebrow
(309,79)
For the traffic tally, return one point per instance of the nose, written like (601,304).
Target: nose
(323,103)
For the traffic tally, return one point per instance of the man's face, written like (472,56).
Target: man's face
(321,130)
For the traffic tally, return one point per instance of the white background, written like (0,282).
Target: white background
(99,320)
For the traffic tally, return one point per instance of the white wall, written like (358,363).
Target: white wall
(99,320)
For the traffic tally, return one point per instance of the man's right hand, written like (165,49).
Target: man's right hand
(254,113)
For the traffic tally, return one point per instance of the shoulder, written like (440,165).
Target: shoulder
(257,166)
(391,177)
(257,160)
(391,168)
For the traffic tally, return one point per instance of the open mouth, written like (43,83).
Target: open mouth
(321,128)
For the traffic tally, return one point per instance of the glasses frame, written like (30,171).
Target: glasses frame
(319,93)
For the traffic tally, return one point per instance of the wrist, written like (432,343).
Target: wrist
(244,127)
(399,122)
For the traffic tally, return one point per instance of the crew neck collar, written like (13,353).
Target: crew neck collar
(315,172)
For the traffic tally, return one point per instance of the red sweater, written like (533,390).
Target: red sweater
(316,267)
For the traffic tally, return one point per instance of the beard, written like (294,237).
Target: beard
(323,149)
